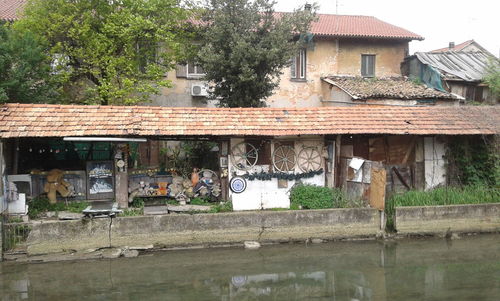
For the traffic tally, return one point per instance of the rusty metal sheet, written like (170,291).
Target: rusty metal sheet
(377,188)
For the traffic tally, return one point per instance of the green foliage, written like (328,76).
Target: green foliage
(476,159)
(137,203)
(40,205)
(199,201)
(245,48)
(492,76)
(107,52)
(189,154)
(133,212)
(441,196)
(25,73)
(317,197)
(222,207)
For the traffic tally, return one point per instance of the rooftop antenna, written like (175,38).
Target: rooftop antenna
(336,7)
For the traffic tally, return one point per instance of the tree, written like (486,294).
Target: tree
(492,76)
(25,73)
(106,51)
(245,45)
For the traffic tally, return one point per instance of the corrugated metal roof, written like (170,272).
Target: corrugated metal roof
(44,120)
(467,66)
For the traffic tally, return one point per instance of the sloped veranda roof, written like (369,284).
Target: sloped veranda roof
(44,120)
(387,88)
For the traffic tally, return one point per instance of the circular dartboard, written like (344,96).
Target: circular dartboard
(244,156)
(284,158)
(238,184)
(309,159)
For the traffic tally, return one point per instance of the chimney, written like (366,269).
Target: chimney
(308,7)
(451,45)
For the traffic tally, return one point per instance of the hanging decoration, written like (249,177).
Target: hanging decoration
(268,176)
(237,184)
(244,156)
(284,158)
(309,158)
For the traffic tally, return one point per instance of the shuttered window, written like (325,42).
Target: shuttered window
(368,65)
(298,66)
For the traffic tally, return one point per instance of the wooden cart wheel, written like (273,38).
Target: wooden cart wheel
(309,159)
(244,156)
(284,158)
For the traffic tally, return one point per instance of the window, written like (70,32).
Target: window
(298,66)
(194,70)
(368,65)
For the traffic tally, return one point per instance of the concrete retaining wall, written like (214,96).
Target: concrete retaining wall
(441,219)
(202,229)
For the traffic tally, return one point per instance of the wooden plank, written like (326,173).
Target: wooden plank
(377,188)
(400,177)
(409,150)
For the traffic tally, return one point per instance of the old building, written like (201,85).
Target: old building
(341,45)
(458,69)
(261,152)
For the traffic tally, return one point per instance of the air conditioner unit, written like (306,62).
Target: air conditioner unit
(199,89)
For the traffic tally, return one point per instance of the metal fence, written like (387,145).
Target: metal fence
(14,235)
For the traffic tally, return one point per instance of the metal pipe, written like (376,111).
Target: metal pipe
(110,139)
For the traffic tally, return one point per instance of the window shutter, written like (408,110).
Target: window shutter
(181,70)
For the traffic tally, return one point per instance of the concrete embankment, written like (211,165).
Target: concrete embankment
(202,230)
(444,219)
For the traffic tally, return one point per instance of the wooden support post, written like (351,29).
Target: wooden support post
(336,161)
(121,175)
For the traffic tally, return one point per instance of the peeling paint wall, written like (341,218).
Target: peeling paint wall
(389,55)
(326,57)
(266,194)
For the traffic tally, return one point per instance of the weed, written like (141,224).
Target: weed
(38,206)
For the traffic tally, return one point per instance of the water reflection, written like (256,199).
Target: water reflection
(468,269)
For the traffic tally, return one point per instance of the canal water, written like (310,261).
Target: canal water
(423,269)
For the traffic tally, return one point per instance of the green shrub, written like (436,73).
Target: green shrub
(40,205)
(137,203)
(222,207)
(441,196)
(311,197)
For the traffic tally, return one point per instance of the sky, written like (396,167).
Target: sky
(438,21)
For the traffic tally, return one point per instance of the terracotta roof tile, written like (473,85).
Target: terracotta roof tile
(9,9)
(326,25)
(457,47)
(351,26)
(392,88)
(17,120)
(359,26)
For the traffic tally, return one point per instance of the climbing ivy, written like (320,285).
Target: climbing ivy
(476,160)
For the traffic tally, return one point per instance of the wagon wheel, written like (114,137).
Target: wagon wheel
(244,156)
(309,159)
(284,158)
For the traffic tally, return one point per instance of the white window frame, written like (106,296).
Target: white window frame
(365,58)
(299,71)
(195,74)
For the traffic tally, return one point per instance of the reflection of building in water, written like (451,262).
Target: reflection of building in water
(101,186)
(284,286)
(18,290)
(351,286)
